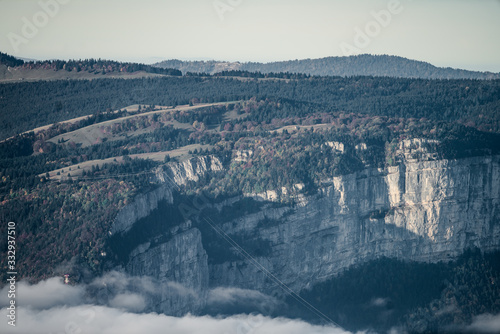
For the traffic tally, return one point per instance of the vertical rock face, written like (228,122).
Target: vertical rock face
(181,268)
(419,210)
(452,204)
(188,170)
(169,177)
(142,206)
(423,211)
(177,259)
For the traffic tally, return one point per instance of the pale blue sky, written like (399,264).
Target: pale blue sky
(456,33)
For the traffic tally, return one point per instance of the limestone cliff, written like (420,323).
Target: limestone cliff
(423,211)
(177,258)
(169,177)
(181,260)
(141,207)
(178,174)
(419,210)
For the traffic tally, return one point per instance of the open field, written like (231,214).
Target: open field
(15,74)
(76,170)
(130,108)
(292,128)
(180,153)
(95,133)
(233,115)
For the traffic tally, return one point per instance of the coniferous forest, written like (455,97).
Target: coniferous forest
(66,189)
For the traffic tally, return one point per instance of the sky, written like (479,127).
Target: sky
(448,33)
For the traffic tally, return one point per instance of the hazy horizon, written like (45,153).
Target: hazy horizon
(457,34)
(155,61)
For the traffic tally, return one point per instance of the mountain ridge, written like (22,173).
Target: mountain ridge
(14,69)
(319,179)
(374,65)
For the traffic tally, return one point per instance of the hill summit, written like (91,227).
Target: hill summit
(369,65)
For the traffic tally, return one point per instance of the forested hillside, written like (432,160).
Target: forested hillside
(8,60)
(390,66)
(420,297)
(287,140)
(474,103)
(279,134)
(15,70)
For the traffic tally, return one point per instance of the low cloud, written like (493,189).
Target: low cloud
(111,304)
(130,302)
(105,320)
(44,295)
(180,289)
(234,301)
(485,323)
(117,289)
(233,295)
(121,281)
(379,302)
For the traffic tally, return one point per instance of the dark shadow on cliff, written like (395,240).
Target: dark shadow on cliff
(155,228)
(377,293)
(415,296)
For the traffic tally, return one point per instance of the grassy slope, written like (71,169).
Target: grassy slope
(76,170)
(15,74)
(92,134)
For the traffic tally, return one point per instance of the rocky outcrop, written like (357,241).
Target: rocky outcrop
(169,176)
(178,174)
(141,207)
(420,210)
(177,260)
(181,268)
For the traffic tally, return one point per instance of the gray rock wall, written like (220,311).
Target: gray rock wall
(422,211)
(419,210)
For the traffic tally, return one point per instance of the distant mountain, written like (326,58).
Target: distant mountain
(343,200)
(390,66)
(14,69)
